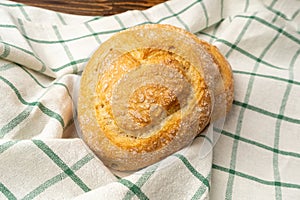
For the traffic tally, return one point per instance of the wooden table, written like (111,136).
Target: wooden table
(92,7)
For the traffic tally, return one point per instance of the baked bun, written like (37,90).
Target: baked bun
(148,91)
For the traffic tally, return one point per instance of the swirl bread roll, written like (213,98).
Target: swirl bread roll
(148,91)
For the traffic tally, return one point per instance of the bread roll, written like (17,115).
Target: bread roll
(148,91)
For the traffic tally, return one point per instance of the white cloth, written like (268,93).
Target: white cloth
(256,157)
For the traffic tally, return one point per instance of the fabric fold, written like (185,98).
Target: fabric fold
(256,156)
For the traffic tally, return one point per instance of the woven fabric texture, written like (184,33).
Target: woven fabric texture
(257,156)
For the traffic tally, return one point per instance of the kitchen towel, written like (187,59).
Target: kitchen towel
(257,151)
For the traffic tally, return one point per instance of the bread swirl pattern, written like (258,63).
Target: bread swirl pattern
(148,91)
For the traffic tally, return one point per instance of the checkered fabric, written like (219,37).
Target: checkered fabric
(257,156)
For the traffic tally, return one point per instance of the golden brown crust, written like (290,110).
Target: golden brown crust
(225,71)
(161,95)
(148,91)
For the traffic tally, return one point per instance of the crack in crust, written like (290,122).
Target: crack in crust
(156,96)
(125,141)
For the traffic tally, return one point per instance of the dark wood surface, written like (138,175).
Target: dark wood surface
(92,7)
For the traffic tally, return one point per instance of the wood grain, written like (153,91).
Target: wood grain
(92,7)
